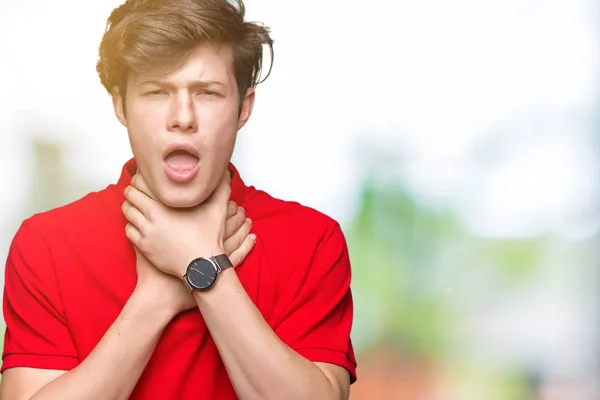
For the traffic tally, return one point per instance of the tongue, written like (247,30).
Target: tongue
(181,161)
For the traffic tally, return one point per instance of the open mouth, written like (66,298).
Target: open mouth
(181,160)
(181,157)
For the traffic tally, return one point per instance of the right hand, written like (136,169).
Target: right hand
(172,237)
(166,292)
(169,291)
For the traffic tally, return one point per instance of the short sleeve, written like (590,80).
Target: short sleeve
(318,321)
(36,333)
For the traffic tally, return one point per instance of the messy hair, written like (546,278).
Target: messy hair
(157,36)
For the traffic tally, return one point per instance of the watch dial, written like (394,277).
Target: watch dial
(201,274)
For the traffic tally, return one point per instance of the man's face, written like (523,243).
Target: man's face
(183,126)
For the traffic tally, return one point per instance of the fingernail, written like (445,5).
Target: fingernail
(252,236)
(248,220)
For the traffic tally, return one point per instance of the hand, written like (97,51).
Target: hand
(172,238)
(239,242)
(164,292)
(172,294)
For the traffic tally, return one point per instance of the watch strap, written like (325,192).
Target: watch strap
(222,262)
(188,285)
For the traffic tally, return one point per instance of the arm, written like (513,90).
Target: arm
(112,369)
(259,364)
(307,354)
(38,350)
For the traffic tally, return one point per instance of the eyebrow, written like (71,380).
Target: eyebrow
(192,84)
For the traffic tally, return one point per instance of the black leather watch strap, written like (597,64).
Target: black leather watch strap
(222,262)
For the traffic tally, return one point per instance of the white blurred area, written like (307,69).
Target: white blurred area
(432,78)
(431,81)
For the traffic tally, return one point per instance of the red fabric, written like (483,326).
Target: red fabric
(70,271)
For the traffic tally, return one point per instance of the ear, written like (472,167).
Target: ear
(246,109)
(118,106)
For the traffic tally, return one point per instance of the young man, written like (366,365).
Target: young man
(127,293)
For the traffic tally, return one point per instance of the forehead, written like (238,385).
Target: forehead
(205,63)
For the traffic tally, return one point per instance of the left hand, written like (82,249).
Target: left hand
(171,238)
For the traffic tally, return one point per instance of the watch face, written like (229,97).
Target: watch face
(201,274)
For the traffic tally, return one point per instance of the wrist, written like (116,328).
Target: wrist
(148,305)
(205,252)
(227,285)
(209,251)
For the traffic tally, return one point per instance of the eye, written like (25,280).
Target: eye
(156,92)
(207,93)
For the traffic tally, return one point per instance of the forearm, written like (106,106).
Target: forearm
(259,364)
(114,367)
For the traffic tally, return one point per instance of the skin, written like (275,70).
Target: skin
(243,337)
(172,237)
(187,106)
(113,368)
(115,365)
(198,105)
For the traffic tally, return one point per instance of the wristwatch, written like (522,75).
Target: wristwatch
(202,273)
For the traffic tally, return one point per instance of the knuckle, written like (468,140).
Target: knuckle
(237,223)
(247,227)
(228,227)
(245,230)
(238,244)
(151,213)
(230,245)
(143,244)
(231,227)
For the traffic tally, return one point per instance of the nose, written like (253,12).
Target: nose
(183,115)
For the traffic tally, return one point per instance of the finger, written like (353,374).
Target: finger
(139,200)
(139,182)
(223,190)
(239,255)
(232,243)
(133,234)
(235,222)
(232,209)
(133,215)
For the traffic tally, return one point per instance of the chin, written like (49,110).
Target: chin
(181,197)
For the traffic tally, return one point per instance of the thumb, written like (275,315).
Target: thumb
(139,183)
(223,191)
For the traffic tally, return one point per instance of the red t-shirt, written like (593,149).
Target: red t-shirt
(70,271)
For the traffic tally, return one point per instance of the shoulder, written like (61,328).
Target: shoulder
(296,237)
(48,232)
(89,207)
(290,220)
